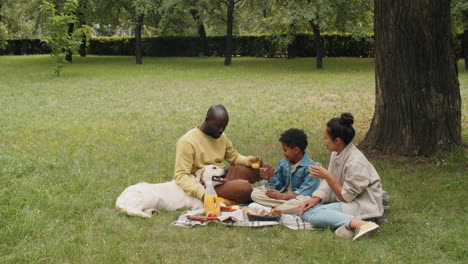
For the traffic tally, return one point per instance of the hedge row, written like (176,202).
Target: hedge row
(25,47)
(334,45)
(251,45)
(257,46)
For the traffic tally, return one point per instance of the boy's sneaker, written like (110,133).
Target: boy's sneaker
(274,212)
(344,232)
(365,230)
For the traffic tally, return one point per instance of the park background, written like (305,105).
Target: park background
(69,145)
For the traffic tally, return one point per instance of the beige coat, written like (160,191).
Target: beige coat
(362,190)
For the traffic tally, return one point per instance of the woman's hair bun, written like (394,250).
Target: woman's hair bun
(347,119)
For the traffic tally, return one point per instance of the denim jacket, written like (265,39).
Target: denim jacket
(299,180)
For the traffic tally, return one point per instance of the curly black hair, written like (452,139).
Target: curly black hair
(294,137)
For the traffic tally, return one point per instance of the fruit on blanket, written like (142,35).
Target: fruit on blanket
(255,165)
(211,214)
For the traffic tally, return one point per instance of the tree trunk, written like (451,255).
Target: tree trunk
(465,47)
(138,42)
(83,46)
(318,44)
(71,28)
(292,47)
(230,20)
(418,102)
(82,8)
(201,32)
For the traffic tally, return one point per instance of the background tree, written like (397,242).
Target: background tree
(133,12)
(289,17)
(230,8)
(57,25)
(85,14)
(460,24)
(174,14)
(418,102)
(18,19)
(137,10)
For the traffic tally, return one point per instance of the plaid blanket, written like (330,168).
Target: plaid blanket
(240,218)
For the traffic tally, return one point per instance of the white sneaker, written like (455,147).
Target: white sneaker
(344,232)
(365,230)
(256,207)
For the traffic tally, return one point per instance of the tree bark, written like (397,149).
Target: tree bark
(138,42)
(83,46)
(318,44)
(82,22)
(201,32)
(418,102)
(292,47)
(69,56)
(230,21)
(465,47)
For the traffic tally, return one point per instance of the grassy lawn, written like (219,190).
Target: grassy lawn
(70,145)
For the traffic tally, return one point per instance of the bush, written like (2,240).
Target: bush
(334,45)
(25,47)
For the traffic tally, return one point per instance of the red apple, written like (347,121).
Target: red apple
(211,214)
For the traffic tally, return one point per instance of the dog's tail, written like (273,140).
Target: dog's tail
(121,205)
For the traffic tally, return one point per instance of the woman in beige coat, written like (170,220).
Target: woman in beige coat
(350,189)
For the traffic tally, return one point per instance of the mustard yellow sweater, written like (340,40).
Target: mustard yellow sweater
(195,150)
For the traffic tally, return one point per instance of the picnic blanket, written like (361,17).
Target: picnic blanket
(240,218)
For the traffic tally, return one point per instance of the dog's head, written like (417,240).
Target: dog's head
(211,173)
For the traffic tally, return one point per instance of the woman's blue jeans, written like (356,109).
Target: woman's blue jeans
(327,215)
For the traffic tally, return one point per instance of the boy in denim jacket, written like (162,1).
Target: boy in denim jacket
(291,183)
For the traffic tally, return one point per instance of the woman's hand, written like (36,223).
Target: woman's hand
(308,204)
(319,172)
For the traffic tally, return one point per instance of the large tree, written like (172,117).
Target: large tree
(418,103)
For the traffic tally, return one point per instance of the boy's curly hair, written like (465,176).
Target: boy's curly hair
(294,137)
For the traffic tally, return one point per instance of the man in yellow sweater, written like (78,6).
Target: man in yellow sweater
(208,145)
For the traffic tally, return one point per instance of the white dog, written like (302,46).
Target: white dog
(144,199)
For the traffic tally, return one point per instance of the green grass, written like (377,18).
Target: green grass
(70,145)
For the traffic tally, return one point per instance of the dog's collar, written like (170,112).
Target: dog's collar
(202,182)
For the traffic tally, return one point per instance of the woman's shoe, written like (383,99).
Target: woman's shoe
(365,230)
(344,232)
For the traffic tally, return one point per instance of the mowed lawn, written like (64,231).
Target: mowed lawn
(70,145)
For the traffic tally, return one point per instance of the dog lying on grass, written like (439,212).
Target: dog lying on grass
(145,199)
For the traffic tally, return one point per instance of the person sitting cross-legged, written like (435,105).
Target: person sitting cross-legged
(207,144)
(291,183)
(350,192)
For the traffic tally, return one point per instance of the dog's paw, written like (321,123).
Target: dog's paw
(152,211)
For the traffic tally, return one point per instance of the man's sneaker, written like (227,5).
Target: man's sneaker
(365,230)
(344,232)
